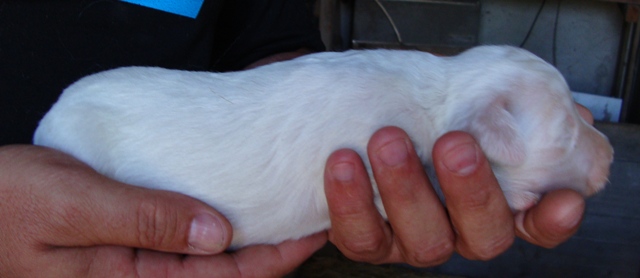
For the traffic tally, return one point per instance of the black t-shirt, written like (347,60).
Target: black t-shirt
(47,45)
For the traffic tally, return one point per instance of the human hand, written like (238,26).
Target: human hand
(62,219)
(477,222)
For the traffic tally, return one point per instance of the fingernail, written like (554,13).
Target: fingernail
(571,216)
(394,153)
(519,222)
(206,234)
(462,160)
(343,171)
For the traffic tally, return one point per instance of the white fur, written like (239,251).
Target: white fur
(253,144)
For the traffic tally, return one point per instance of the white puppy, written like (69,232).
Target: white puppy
(253,144)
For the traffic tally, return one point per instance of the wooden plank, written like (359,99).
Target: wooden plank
(607,244)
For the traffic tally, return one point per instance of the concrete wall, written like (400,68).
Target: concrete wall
(586,39)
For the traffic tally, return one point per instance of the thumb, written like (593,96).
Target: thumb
(162,221)
(553,220)
(84,208)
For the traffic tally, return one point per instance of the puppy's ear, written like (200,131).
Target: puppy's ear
(497,132)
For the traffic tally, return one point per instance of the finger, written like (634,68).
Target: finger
(278,260)
(553,220)
(477,207)
(420,225)
(252,261)
(585,113)
(357,229)
(84,208)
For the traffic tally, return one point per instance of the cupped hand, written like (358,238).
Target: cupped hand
(477,222)
(62,219)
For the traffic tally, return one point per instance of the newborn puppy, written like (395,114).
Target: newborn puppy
(253,144)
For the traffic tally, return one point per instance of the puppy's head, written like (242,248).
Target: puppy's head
(521,112)
(561,151)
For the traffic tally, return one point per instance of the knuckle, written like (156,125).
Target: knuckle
(492,248)
(156,227)
(366,247)
(477,200)
(431,255)
(350,212)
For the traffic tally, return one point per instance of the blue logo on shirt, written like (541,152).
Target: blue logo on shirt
(188,8)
